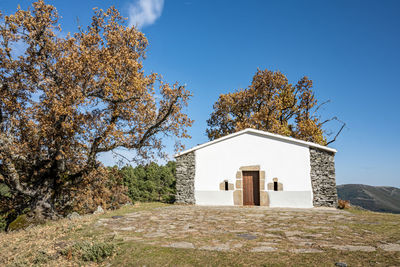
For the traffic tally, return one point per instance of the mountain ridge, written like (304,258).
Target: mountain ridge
(374,198)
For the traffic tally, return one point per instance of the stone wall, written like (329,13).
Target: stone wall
(323,178)
(185,172)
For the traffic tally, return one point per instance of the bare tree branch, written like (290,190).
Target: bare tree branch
(319,106)
(338,133)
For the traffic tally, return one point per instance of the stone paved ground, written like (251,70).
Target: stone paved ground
(252,229)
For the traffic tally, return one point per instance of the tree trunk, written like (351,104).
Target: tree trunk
(42,207)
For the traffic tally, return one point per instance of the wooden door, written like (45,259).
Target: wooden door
(251,188)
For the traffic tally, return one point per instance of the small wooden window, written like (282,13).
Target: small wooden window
(275,186)
(226,186)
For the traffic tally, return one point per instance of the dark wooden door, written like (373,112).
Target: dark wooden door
(251,188)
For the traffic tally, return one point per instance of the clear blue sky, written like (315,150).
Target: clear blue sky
(350,49)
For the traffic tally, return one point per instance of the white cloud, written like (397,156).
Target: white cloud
(145,12)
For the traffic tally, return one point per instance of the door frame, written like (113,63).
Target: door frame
(256,197)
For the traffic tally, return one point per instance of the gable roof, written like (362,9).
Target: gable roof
(264,134)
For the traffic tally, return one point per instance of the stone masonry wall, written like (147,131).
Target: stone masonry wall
(323,178)
(185,172)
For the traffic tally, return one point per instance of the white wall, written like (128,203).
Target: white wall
(290,199)
(289,162)
(211,198)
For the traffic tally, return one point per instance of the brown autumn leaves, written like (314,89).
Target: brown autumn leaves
(271,104)
(65,99)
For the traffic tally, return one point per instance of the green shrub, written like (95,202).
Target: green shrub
(42,257)
(4,190)
(87,251)
(20,222)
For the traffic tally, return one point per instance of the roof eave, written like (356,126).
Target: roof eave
(281,137)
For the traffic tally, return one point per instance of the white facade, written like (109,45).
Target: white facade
(284,158)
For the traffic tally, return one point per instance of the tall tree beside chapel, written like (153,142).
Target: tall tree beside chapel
(271,104)
(67,98)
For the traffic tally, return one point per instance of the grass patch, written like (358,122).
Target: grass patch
(136,254)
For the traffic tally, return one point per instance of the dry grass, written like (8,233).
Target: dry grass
(49,244)
(82,242)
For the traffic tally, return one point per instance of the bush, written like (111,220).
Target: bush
(4,190)
(20,222)
(42,257)
(343,204)
(87,251)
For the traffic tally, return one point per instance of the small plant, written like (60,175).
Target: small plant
(343,204)
(87,251)
(42,257)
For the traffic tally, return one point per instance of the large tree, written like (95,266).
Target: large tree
(272,104)
(67,98)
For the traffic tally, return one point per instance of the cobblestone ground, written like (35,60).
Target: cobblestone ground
(253,229)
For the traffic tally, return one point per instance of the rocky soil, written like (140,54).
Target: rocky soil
(253,229)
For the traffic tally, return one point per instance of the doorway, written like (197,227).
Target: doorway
(251,188)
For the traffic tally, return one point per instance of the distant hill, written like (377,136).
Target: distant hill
(375,198)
